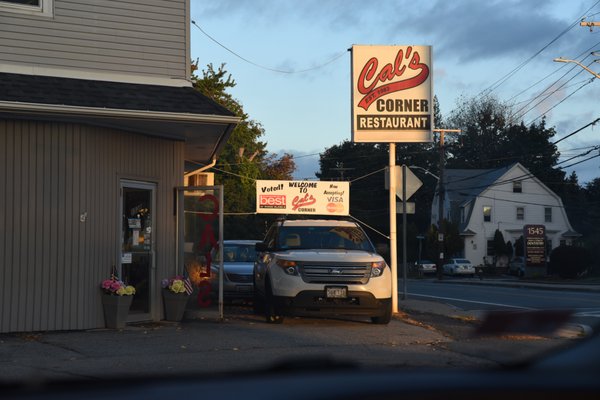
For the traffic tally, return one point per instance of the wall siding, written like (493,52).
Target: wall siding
(51,264)
(125,36)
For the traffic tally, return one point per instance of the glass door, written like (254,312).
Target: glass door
(137,244)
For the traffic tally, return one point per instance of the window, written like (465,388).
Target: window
(490,251)
(547,214)
(487,214)
(32,7)
(520,213)
(517,187)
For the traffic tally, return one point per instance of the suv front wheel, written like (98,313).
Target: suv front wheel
(386,317)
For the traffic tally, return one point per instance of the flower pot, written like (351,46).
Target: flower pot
(175,304)
(116,309)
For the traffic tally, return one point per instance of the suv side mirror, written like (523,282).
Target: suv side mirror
(261,247)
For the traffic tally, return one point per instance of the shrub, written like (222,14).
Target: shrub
(569,261)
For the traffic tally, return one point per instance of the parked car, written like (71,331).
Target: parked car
(238,264)
(516,266)
(425,267)
(320,267)
(459,266)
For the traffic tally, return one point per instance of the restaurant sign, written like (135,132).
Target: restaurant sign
(392,94)
(302,197)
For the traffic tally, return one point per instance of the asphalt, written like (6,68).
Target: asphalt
(63,354)
(568,330)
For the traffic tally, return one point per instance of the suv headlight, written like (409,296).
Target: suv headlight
(289,267)
(377,269)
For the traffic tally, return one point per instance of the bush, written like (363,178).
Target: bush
(569,261)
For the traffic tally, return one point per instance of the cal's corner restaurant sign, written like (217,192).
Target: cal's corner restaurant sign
(392,97)
(302,197)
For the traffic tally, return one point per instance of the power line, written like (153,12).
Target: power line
(265,67)
(577,131)
(557,104)
(503,79)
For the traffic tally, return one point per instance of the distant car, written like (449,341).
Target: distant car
(459,266)
(516,266)
(425,267)
(238,264)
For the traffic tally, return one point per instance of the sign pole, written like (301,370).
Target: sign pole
(404,283)
(393,243)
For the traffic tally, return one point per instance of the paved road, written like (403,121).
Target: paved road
(474,297)
(244,342)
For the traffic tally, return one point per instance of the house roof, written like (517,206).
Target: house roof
(463,185)
(178,113)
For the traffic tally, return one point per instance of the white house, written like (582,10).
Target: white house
(481,201)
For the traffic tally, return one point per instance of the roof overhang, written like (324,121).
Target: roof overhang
(204,135)
(178,113)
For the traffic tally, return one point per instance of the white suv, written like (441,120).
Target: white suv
(320,267)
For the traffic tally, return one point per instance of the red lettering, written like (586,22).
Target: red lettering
(272,200)
(374,85)
(303,201)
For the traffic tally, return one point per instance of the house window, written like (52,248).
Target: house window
(547,214)
(490,251)
(520,213)
(487,214)
(32,7)
(517,187)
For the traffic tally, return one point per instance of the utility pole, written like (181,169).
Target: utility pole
(340,168)
(564,60)
(441,192)
(590,25)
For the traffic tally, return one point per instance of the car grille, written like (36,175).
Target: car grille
(239,278)
(335,273)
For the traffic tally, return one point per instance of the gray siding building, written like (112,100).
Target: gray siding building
(97,119)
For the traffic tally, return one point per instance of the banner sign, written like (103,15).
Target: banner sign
(392,94)
(303,197)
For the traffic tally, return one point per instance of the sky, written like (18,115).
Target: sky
(291,63)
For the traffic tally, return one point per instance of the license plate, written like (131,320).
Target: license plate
(336,292)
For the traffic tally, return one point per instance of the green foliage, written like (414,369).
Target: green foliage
(243,159)
(453,242)
(490,138)
(500,247)
(569,261)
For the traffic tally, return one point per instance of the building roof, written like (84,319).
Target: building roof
(178,113)
(105,94)
(463,185)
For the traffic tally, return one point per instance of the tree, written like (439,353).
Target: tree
(243,160)
(490,138)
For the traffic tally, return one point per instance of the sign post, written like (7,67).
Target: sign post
(392,102)
(535,249)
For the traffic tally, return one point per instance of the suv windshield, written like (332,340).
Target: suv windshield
(323,237)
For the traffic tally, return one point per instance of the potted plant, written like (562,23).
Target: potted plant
(176,292)
(116,300)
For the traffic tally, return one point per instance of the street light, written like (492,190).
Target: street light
(425,170)
(560,59)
